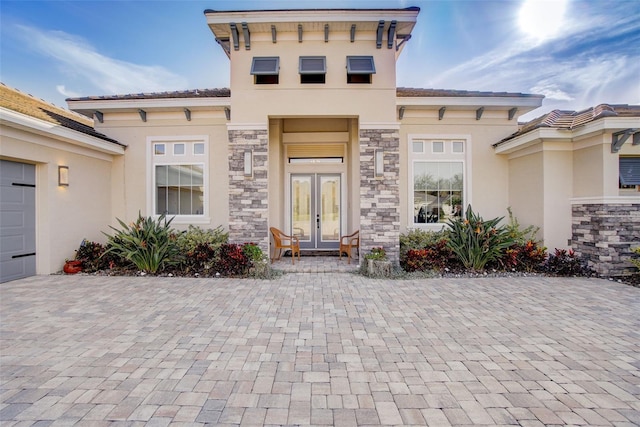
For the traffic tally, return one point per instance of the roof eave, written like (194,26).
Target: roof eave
(523,104)
(21,121)
(88,107)
(605,124)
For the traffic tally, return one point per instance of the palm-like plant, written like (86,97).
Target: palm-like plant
(476,241)
(148,243)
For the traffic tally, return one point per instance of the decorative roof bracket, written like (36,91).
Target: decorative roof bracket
(379,34)
(235,36)
(441,112)
(247,36)
(326,33)
(479,112)
(143,115)
(99,116)
(512,113)
(299,33)
(273,33)
(391,35)
(187,114)
(619,138)
(405,38)
(353,32)
(401,112)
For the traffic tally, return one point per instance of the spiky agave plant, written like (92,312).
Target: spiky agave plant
(149,243)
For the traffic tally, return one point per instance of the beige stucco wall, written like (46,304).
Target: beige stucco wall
(596,168)
(131,179)
(558,187)
(64,215)
(526,189)
(253,103)
(487,175)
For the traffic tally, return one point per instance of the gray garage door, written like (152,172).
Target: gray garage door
(17,220)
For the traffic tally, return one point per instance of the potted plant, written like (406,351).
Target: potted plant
(72,266)
(377,264)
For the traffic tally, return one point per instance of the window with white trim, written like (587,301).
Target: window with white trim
(179,179)
(437,181)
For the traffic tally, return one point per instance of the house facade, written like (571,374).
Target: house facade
(315,138)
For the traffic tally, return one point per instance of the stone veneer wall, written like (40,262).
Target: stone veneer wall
(605,234)
(380,196)
(248,204)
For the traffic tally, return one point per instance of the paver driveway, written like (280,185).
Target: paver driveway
(327,349)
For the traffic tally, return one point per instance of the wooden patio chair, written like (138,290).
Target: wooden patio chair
(283,241)
(348,243)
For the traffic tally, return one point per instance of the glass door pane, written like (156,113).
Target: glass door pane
(301,215)
(329,204)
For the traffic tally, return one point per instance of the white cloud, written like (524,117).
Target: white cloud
(107,75)
(67,93)
(552,91)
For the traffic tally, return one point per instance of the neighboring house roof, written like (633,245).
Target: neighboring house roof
(568,120)
(28,105)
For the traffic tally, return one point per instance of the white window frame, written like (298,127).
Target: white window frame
(164,148)
(447,157)
(189,158)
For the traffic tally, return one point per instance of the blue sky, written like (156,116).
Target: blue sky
(578,53)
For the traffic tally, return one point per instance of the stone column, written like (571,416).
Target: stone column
(248,203)
(380,196)
(605,234)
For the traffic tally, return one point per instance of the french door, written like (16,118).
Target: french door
(316,210)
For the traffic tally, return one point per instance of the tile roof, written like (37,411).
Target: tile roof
(568,120)
(418,92)
(226,92)
(192,93)
(28,105)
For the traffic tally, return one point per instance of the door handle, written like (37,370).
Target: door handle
(318,221)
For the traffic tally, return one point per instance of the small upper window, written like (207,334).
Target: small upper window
(265,69)
(313,69)
(178,149)
(437,146)
(360,69)
(418,147)
(457,147)
(198,148)
(158,149)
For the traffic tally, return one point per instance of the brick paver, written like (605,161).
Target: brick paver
(323,349)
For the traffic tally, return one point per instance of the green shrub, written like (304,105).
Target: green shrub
(195,236)
(201,260)
(419,239)
(636,261)
(231,260)
(477,242)
(528,256)
(378,254)
(252,252)
(519,235)
(437,256)
(148,243)
(566,263)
